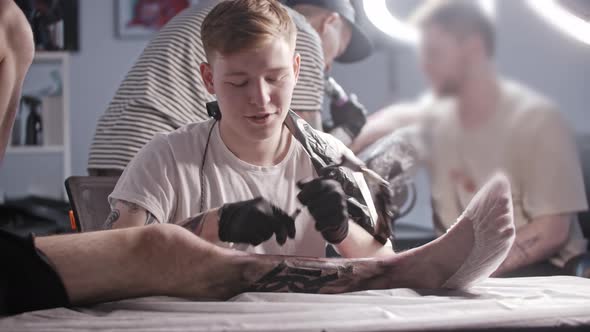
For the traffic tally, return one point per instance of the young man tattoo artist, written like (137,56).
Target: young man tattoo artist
(253,84)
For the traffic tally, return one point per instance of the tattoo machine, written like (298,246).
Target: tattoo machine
(384,194)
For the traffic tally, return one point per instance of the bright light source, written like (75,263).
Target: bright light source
(384,20)
(562,19)
(489,6)
(381,17)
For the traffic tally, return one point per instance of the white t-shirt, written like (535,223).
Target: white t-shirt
(164,91)
(528,139)
(164,178)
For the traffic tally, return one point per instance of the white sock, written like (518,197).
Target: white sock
(491,213)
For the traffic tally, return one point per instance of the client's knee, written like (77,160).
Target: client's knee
(187,265)
(169,241)
(162,240)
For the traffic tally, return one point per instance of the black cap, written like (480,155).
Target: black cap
(360,46)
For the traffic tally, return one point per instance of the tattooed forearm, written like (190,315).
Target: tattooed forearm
(524,246)
(127,214)
(150,219)
(112,218)
(523,253)
(132,207)
(194,224)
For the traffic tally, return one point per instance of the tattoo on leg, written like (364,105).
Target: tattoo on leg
(112,218)
(298,279)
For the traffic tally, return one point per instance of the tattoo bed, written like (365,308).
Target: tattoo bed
(527,304)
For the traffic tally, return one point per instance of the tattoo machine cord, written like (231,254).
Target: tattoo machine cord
(202,171)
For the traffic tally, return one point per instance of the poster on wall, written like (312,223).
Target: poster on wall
(141,18)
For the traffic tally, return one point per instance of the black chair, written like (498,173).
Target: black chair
(580,266)
(584,151)
(89,199)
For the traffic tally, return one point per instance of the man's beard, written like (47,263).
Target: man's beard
(448,89)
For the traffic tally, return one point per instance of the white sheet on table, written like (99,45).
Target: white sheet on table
(549,301)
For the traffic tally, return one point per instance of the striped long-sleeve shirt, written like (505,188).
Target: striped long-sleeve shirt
(164,90)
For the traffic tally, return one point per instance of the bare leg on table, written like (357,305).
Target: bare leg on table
(169,260)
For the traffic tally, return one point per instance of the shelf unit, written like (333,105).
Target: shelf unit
(51,56)
(35,149)
(62,61)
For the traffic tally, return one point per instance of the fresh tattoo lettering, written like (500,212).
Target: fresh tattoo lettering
(285,278)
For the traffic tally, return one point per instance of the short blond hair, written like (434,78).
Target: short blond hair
(459,17)
(236,25)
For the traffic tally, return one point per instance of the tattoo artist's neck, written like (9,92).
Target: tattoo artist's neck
(478,101)
(267,152)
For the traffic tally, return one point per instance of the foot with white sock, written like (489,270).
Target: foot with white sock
(472,249)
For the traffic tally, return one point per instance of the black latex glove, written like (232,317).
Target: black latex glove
(254,222)
(351,116)
(326,202)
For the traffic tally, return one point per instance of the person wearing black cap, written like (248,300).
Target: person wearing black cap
(335,23)
(163,92)
(345,42)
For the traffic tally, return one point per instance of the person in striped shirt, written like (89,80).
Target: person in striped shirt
(163,91)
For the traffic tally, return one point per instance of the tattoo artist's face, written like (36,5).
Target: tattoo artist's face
(254,88)
(335,35)
(443,60)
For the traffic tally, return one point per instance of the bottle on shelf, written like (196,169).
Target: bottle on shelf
(34,129)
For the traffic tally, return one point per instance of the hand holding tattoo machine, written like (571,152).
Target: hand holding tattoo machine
(348,115)
(382,212)
(322,154)
(326,202)
(253,222)
(330,163)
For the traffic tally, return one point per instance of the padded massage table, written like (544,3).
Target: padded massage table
(542,303)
